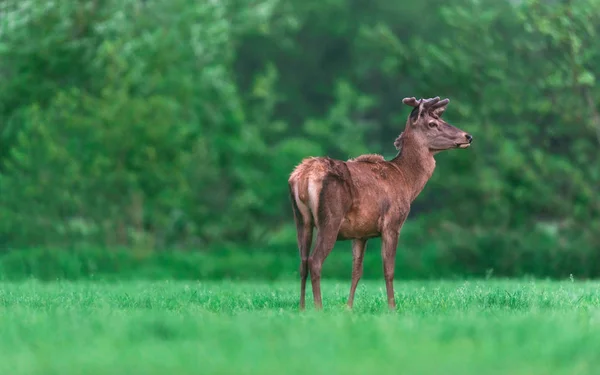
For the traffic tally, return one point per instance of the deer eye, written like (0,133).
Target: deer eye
(432,124)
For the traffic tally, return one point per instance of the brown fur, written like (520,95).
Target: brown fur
(368,196)
(369,158)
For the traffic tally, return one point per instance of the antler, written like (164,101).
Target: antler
(431,101)
(439,104)
(413,102)
(428,104)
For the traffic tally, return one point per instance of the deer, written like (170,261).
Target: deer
(367,197)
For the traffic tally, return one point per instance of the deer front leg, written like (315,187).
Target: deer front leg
(358,254)
(389,242)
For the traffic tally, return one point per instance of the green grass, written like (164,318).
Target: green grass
(482,327)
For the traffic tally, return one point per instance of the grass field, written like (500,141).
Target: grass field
(476,327)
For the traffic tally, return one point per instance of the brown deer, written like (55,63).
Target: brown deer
(368,196)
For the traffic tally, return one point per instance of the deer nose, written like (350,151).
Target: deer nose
(469,137)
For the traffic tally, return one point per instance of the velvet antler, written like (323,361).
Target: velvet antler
(434,105)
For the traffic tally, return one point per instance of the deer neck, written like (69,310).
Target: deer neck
(416,163)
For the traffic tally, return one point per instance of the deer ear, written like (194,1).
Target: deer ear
(415,114)
(418,107)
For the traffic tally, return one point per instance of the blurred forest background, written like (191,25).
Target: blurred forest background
(155,137)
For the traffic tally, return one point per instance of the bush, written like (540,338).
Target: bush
(174,125)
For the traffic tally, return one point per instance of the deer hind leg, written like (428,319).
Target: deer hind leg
(334,202)
(304,245)
(304,232)
(358,254)
(326,238)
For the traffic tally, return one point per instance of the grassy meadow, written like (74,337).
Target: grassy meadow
(440,327)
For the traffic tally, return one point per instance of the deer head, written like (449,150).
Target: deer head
(426,126)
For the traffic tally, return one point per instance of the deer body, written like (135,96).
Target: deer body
(365,197)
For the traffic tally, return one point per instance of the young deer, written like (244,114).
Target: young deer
(368,196)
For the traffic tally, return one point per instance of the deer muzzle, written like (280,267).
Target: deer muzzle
(466,144)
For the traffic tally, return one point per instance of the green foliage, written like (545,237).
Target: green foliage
(451,252)
(153,125)
(254,328)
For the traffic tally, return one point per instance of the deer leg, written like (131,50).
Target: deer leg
(304,232)
(334,202)
(304,242)
(326,238)
(389,242)
(358,253)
